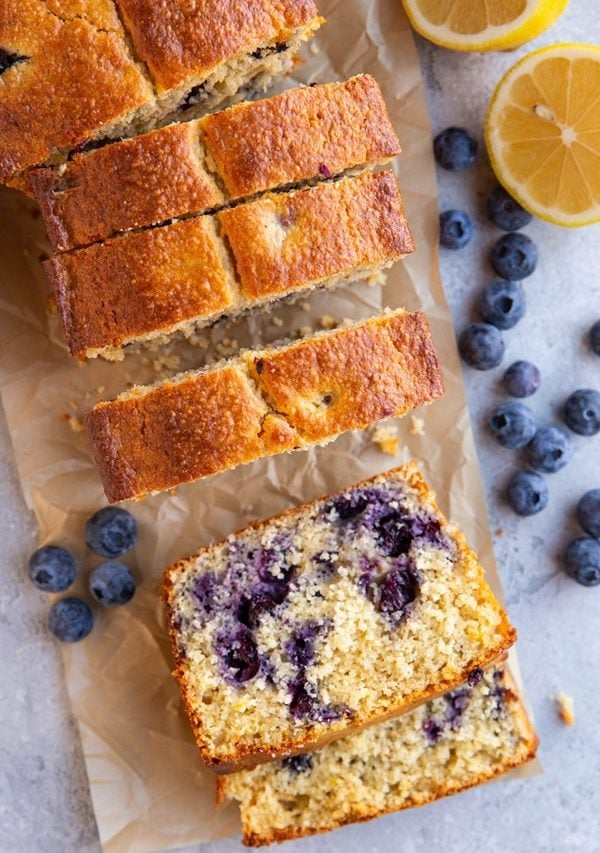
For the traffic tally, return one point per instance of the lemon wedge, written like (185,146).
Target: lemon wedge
(482,24)
(543,133)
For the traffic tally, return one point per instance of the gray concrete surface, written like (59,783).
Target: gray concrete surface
(44,801)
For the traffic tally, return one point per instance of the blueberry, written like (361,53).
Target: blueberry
(433,730)
(260,601)
(481,346)
(588,512)
(52,569)
(528,493)
(522,379)
(111,531)
(513,425)
(582,561)
(595,337)
(502,304)
(349,506)
(549,450)
(514,256)
(70,620)
(239,655)
(204,592)
(505,212)
(300,649)
(112,584)
(397,589)
(456,229)
(298,763)
(455,149)
(393,534)
(581,412)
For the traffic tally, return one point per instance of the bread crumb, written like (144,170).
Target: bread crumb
(75,423)
(304,305)
(51,305)
(314,48)
(565,706)
(227,347)
(327,322)
(376,278)
(386,437)
(499,531)
(304,331)
(164,363)
(417,425)
(277,321)
(200,341)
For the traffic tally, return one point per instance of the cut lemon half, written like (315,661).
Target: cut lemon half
(543,133)
(482,24)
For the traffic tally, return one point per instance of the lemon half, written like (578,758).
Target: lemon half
(482,24)
(543,133)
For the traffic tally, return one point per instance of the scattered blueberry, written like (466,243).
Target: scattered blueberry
(112,584)
(349,506)
(298,763)
(481,346)
(588,512)
(505,212)
(502,304)
(514,256)
(455,149)
(393,534)
(549,450)
(456,229)
(111,531)
(513,425)
(581,412)
(397,589)
(522,379)
(475,677)
(239,655)
(70,620)
(528,493)
(52,569)
(582,561)
(433,730)
(595,337)
(300,649)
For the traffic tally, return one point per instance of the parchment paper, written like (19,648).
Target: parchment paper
(148,786)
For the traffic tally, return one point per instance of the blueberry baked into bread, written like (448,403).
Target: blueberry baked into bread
(467,737)
(328,618)
(305,134)
(264,402)
(78,71)
(180,277)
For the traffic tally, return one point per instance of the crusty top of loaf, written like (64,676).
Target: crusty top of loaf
(136,284)
(74,75)
(129,184)
(283,240)
(152,439)
(182,39)
(306,133)
(302,133)
(145,283)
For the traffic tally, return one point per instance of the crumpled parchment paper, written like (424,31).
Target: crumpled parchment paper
(148,786)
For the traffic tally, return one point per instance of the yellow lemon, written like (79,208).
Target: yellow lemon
(543,133)
(482,24)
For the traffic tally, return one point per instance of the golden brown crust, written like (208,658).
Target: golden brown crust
(76,75)
(346,381)
(150,282)
(304,134)
(282,241)
(179,40)
(299,135)
(140,284)
(129,184)
(245,756)
(190,427)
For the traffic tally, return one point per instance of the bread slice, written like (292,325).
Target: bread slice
(305,134)
(83,70)
(186,275)
(465,738)
(262,403)
(331,617)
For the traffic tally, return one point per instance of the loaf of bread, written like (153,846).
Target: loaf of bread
(304,134)
(465,738)
(262,403)
(329,618)
(183,276)
(76,71)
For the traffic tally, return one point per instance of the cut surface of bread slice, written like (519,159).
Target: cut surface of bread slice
(305,134)
(76,71)
(465,738)
(264,402)
(329,618)
(183,276)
